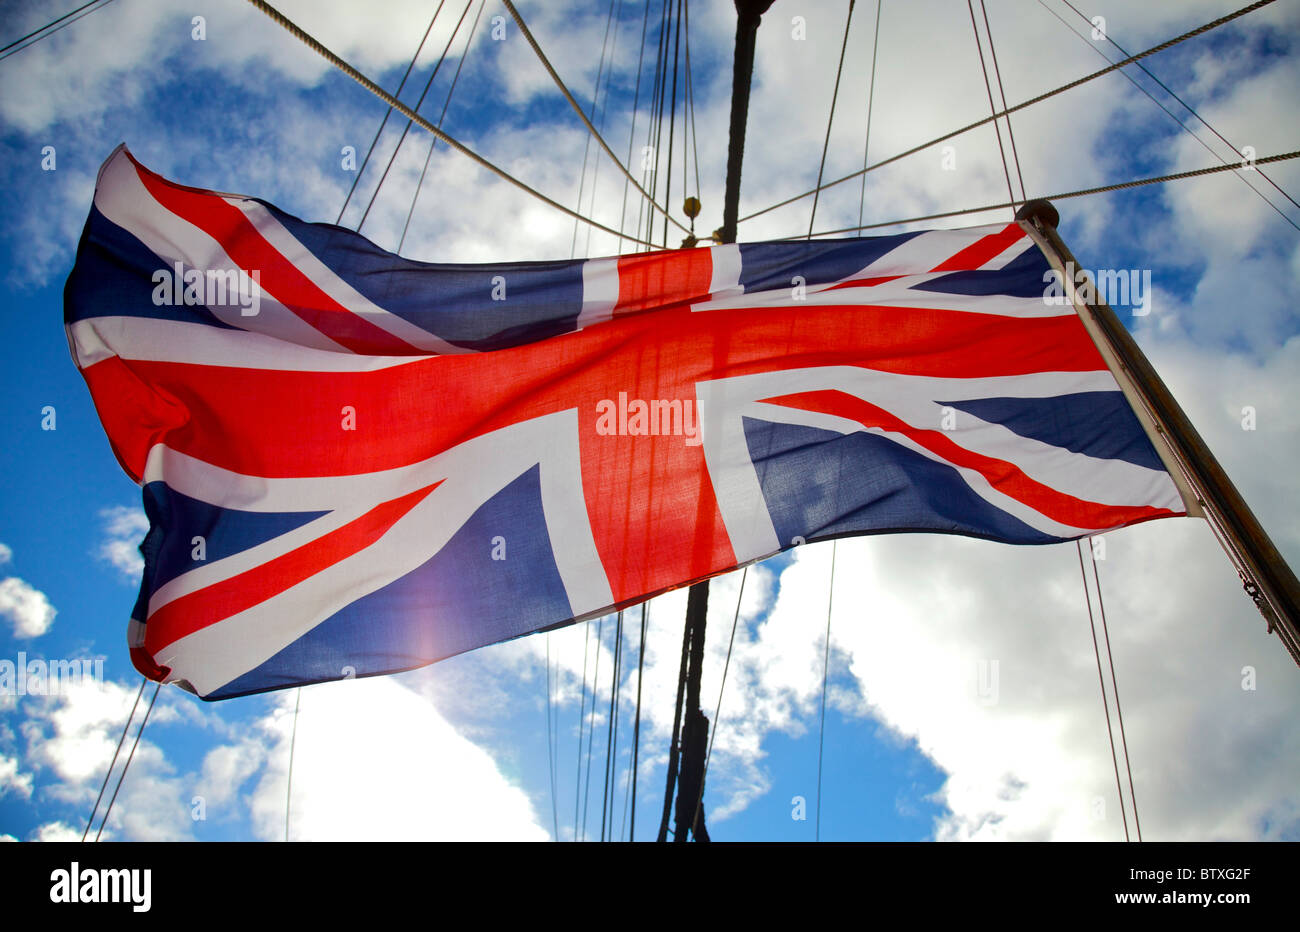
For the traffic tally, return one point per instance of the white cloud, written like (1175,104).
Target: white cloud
(74,734)
(1025,747)
(57,832)
(12,778)
(151,36)
(225,768)
(6,554)
(124,528)
(373,760)
(49,234)
(70,742)
(26,607)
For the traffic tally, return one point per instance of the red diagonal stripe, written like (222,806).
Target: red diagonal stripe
(1003,476)
(982,250)
(228,225)
(863,282)
(221,600)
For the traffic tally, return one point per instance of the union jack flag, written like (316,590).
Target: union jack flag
(355,463)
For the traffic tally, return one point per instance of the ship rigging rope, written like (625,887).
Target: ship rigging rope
(1173,116)
(661,88)
(293,740)
(356,179)
(657,117)
(1002,93)
(830,120)
(420,102)
(1282,157)
(647,163)
(523,28)
(582,712)
(826,670)
(52,27)
(616,706)
(618,722)
(871,94)
(1114,684)
(611,731)
(993,108)
(690,105)
(586,148)
(591,730)
(672,125)
(550,744)
(129,758)
(636,103)
(1092,625)
(636,728)
(293,29)
(604,120)
(1020,106)
(433,141)
(113,763)
(1167,90)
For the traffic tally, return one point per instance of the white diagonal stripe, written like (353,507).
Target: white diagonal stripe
(123,199)
(156,340)
(918,401)
(473,472)
(328,281)
(898,293)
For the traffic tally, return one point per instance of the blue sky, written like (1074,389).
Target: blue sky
(913,749)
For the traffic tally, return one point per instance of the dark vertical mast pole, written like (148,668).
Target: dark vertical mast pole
(748,14)
(689,817)
(1264,574)
(695,727)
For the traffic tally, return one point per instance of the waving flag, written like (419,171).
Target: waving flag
(354,463)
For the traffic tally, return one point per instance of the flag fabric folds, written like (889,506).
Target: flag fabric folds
(355,463)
